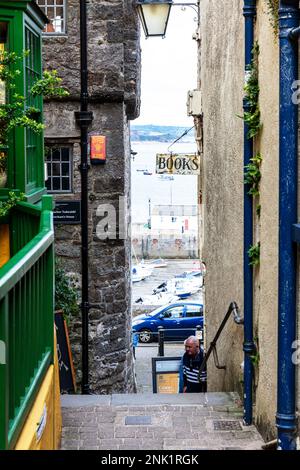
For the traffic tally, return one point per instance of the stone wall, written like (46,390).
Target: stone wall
(114,88)
(166,247)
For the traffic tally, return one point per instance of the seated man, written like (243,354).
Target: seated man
(191,362)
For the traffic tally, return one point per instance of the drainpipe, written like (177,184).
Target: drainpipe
(84,119)
(288,155)
(249,12)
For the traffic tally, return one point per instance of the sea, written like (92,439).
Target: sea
(150,190)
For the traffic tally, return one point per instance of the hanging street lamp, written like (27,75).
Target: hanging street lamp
(154,16)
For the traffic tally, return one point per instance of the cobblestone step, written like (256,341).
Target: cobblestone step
(156,422)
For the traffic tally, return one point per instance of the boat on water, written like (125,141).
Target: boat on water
(157,263)
(140,272)
(162,298)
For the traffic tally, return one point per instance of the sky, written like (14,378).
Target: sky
(169,70)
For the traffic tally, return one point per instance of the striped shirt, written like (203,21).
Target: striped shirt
(191,368)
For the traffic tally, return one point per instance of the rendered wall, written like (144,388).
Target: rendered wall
(222,78)
(222,72)
(266,276)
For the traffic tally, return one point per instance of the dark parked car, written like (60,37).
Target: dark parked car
(179,321)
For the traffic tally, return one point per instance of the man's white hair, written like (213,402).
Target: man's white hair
(194,339)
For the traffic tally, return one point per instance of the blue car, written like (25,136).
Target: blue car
(179,321)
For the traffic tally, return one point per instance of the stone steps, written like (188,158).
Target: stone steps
(156,422)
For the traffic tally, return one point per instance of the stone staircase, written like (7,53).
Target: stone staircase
(156,422)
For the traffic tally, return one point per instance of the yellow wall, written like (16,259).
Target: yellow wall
(48,398)
(4,244)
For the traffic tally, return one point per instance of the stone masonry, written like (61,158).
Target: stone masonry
(114,89)
(203,421)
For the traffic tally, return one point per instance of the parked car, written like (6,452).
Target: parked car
(179,321)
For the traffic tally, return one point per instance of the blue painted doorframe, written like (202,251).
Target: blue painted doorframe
(288,156)
(249,12)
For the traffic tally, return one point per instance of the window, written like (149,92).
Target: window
(59,169)
(33,140)
(194,311)
(55,10)
(175,312)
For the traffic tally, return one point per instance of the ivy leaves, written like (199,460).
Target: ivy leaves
(273,10)
(252,174)
(66,293)
(251,88)
(49,86)
(254,254)
(12,201)
(15,112)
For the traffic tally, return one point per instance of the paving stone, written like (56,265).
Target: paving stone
(138,420)
(129,447)
(106,433)
(105,419)
(174,427)
(152,445)
(182,442)
(110,443)
(89,427)
(124,432)
(89,447)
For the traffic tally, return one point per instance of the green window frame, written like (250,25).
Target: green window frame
(33,140)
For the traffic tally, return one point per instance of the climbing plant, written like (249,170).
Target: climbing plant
(10,203)
(66,293)
(251,88)
(14,110)
(252,174)
(273,11)
(254,254)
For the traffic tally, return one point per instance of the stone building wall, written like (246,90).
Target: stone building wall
(114,89)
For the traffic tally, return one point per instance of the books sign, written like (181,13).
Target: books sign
(178,164)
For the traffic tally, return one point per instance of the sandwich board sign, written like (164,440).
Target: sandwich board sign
(178,164)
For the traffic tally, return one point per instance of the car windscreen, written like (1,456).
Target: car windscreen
(155,312)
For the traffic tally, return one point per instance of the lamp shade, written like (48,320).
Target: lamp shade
(154,16)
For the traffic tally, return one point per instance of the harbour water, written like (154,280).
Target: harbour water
(182,190)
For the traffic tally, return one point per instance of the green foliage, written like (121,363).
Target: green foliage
(66,294)
(49,86)
(273,10)
(10,203)
(254,254)
(252,174)
(255,358)
(258,210)
(15,112)
(252,117)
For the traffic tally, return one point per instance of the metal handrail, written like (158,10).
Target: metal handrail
(233,308)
